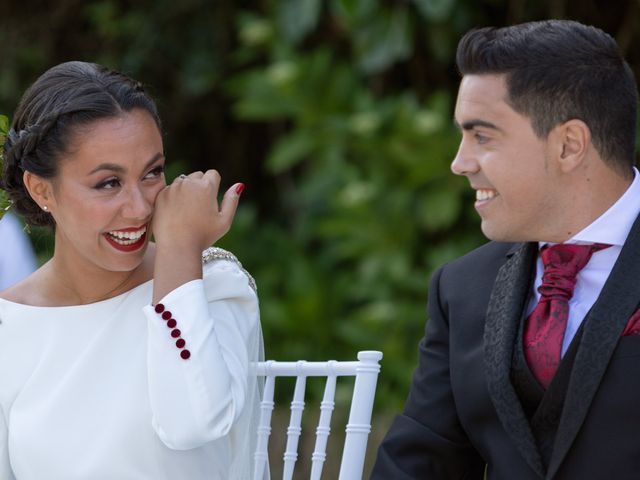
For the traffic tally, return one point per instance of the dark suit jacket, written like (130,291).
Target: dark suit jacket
(463,415)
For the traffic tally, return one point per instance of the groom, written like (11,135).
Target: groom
(530,364)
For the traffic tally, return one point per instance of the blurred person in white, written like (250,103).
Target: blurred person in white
(17,259)
(121,357)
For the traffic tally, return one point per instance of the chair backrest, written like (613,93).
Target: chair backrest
(365,370)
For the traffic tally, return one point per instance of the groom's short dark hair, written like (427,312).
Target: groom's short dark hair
(558,70)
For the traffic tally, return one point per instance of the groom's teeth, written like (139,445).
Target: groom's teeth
(485,194)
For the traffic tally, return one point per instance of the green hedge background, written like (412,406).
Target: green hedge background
(337,114)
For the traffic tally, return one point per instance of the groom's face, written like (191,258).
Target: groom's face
(507,164)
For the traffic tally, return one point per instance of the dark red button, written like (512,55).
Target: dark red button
(175,333)
(180,343)
(166,315)
(185,354)
(171,323)
(159,308)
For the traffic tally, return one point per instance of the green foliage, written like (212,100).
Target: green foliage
(369,205)
(4,128)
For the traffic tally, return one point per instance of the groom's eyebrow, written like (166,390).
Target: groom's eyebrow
(471,124)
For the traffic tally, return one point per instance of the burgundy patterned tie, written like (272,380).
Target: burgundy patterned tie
(544,329)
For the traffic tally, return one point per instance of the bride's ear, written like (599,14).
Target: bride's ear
(40,190)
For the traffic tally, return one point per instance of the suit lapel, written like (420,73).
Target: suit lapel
(507,302)
(602,329)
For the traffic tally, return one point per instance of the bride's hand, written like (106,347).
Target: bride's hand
(187,214)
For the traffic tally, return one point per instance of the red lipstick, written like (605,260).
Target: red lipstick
(126,248)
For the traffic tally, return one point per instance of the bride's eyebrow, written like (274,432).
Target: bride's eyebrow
(114,167)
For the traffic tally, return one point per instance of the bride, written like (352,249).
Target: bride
(121,358)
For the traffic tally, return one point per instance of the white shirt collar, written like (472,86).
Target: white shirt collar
(614,225)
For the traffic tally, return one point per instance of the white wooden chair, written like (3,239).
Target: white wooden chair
(366,371)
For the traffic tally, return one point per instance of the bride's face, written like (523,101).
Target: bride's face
(104,194)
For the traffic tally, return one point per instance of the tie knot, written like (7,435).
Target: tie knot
(562,262)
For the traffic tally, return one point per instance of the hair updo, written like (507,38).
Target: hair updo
(64,97)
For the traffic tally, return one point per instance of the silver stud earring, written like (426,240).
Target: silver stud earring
(45,208)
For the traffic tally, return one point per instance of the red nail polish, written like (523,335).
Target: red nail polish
(240,188)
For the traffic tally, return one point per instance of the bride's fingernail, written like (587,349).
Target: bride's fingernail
(239,188)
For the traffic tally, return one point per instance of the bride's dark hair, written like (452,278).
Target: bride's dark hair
(63,98)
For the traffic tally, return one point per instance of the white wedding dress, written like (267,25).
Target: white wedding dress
(101,392)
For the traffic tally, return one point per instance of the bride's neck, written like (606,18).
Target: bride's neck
(73,284)
(76,281)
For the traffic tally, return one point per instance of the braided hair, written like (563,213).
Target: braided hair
(63,98)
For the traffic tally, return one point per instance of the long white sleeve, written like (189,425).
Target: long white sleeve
(197,400)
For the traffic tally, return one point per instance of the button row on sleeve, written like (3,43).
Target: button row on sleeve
(175,333)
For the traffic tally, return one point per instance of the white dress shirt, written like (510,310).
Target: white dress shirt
(100,391)
(612,228)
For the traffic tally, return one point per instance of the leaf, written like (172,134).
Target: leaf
(440,208)
(297,18)
(4,128)
(436,10)
(4,203)
(289,151)
(384,40)
(255,31)
(354,12)
(259,98)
